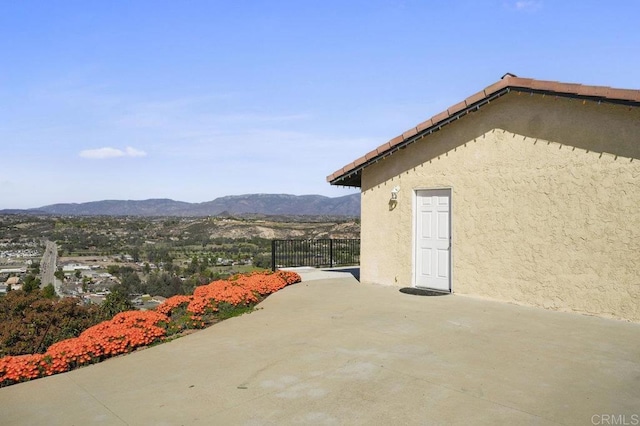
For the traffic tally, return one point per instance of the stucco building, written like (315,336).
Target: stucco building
(527,191)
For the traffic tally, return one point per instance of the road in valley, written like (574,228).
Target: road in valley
(48,266)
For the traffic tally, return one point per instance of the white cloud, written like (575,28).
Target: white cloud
(108,152)
(101,153)
(523,5)
(132,152)
(527,4)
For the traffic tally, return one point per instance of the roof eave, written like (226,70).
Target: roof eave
(351,174)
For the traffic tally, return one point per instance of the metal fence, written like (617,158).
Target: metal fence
(317,253)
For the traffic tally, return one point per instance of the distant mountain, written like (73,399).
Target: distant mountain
(282,204)
(120,208)
(267,204)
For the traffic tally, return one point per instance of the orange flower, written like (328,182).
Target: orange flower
(129,330)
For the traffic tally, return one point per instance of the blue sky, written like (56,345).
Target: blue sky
(192,100)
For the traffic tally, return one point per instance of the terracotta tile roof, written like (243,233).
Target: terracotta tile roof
(350,174)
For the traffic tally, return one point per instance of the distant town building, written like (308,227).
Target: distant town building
(13,281)
(13,271)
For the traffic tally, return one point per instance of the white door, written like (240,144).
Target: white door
(433,239)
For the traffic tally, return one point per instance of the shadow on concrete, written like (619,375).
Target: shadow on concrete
(422,292)
(353,270)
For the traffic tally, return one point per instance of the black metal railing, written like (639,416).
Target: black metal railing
(317,253)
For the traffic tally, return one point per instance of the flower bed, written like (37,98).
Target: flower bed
(129,330)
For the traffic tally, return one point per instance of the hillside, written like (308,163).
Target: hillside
(265,204)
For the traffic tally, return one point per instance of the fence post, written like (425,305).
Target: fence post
(273,255)
(331,252)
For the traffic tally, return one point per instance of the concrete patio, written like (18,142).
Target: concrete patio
(332,351)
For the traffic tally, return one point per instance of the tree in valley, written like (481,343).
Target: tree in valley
(49,291)
(164,284)
(135,253)
(59,274)
(115,302)
(30,284)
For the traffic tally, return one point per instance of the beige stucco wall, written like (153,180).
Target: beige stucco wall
(545,205)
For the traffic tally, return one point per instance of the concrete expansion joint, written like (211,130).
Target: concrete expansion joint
(92,396)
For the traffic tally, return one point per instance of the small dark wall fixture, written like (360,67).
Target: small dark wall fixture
(393,201)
